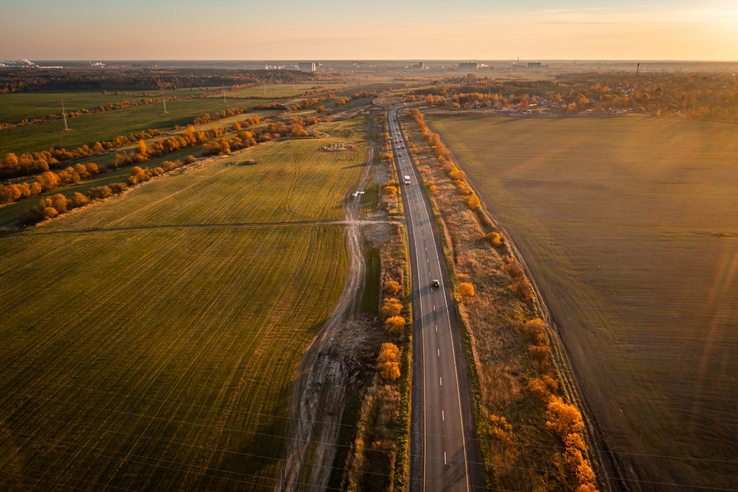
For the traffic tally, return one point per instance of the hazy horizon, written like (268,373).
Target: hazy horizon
(671,30)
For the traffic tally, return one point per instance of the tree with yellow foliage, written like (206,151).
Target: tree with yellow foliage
(393,287)
(466,289)
(563,419)
(388,362)
(395,326)
(496,240)
(391,307)
(473,202)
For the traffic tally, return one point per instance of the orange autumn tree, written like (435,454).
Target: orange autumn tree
(394,326)
(388,362)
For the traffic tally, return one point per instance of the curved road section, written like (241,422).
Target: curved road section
(443,438)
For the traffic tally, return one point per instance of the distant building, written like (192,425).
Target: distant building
(24,63)
(468,66)
(534,65)
(420,66)
(307,67)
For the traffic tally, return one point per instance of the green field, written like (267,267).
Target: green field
(162,358)
(629,226)
(108,125)
(28,105)
(277,191)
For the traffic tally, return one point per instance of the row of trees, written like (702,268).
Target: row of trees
(58,204)
(226,113)
(53,206)
(13,166)
(446,161)
(246,139)
(48,181)
(141,78)
(695,95)
(562,418)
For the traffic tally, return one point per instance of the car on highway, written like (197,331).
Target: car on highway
(435,283)
(407,179)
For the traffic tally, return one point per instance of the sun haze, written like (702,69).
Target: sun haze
(331,29)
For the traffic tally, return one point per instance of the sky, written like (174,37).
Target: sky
(376,29)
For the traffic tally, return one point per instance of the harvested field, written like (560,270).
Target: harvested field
(629,226)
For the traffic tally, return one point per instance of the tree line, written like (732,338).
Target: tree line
(58,204)
(89,79)
(27,164)
(691,95)
(81,112)
(48,181)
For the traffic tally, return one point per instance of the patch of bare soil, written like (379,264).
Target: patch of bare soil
(339,146)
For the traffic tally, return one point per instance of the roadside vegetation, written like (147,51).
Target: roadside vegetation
(529,435)
(379,459)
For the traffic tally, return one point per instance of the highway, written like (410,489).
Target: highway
(442,429)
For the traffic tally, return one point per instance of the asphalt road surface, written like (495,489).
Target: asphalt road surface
(441,458)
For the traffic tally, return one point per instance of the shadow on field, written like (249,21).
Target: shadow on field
(258,456)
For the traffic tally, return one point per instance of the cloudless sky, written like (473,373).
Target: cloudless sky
(376,29)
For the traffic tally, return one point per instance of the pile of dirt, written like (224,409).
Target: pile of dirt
(337,147)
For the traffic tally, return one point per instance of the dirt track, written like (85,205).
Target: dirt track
(319,392)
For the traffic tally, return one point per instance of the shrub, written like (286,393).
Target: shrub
(499,428)
(99,192)
(539,389)
(388,362)
(473,202)
(538,353)
(118,188)
(563,419)
(390,307)
(393,287)
(496,240)
(535,331)
(389,190)
(77,200)
(466,289)
(395,326)
(521,288)
(514,270)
